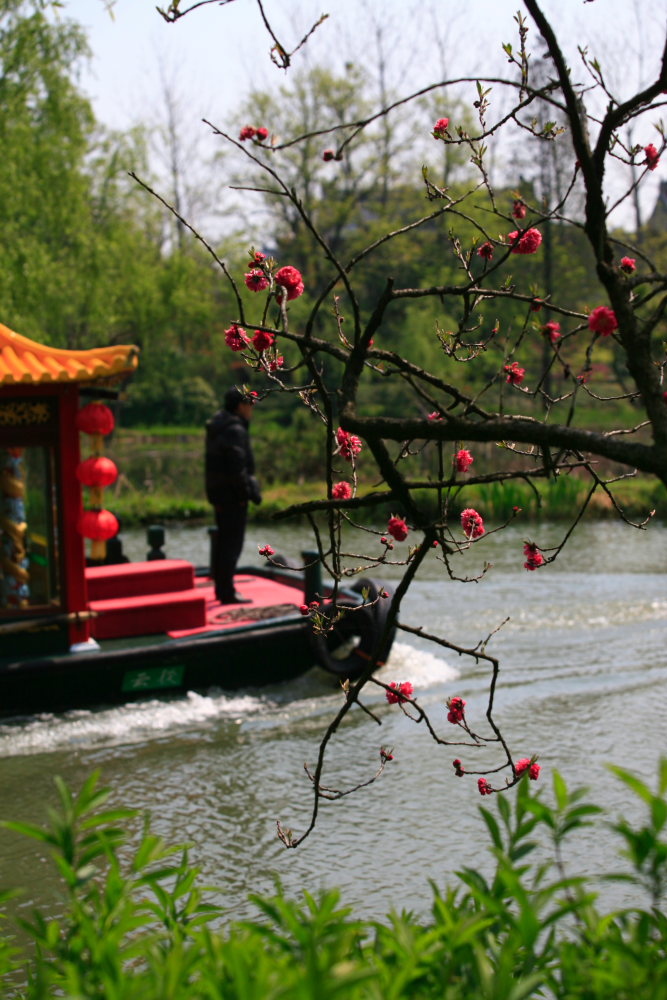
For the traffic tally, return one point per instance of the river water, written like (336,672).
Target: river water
(583,683)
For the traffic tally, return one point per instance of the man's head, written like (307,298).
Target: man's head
(239,402)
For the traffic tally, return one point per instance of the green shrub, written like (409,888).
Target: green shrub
(142,929)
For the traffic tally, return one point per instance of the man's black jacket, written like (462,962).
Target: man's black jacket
(230,465)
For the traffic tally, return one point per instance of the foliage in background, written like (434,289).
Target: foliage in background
(87,259)
(135,922)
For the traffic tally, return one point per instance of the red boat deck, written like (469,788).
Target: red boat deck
(164,597)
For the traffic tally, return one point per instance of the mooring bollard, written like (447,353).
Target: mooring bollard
(312,575)
(155,539)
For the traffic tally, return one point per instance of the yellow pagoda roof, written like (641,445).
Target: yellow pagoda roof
(25,362)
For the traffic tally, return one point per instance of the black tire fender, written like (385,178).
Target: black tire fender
(362,626)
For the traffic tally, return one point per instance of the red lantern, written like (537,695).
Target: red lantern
(98,525)
(95,418)
(97,471)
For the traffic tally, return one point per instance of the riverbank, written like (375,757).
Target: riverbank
(161,480)
(553,501)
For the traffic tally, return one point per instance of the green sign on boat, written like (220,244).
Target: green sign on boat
(152,678)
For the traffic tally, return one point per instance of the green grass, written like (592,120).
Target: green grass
(553,501)
(162,480)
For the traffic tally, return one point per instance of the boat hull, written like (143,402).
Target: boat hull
(247,656)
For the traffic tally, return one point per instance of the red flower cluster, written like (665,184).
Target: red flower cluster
(397,528)
(484,787)
(248,132)
(349,445)
(534,559)
(276,363)
(399,692)
(628,264)
(256,280)
(536,305)
(341,491)
(603,321)
(266,551)
(291,281)
(440,128)
(486,251)
(472,523)
(514,373)
(456,712)
(458,767)
(305,609)
(652,156)
(528,242)
(236,337)
(262,340)
(519,209)
(552,331)
(435,415)
(525,765)
(463,460)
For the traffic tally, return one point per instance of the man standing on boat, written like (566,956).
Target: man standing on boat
(230,485)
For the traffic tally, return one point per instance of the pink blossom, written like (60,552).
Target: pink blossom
(463,460)
(257,257)
(256,280)
(327,155)
(341,491)
(277,363)
(514,373)
(628,264)
(399,692)
(262,340)
(519,209)
(534,558)
(236,337)
(397,528)
(536,305)
(440,128)
(291,281)
(484,787)
(456,708)
(349,444)
(266,551)
(486,251)
(262,133)
(472,523)
(603,321)
(552,331)
(247,132)
(528,242)
(652,156)
(534,772)
(522,765)
(435,415)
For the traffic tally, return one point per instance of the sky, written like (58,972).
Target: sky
(219,53)
(215,55)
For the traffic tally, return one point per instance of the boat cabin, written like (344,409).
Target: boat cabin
(43,599)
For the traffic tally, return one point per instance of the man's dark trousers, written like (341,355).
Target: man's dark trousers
(231,521)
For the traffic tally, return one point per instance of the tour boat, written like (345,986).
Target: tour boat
(80,629)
